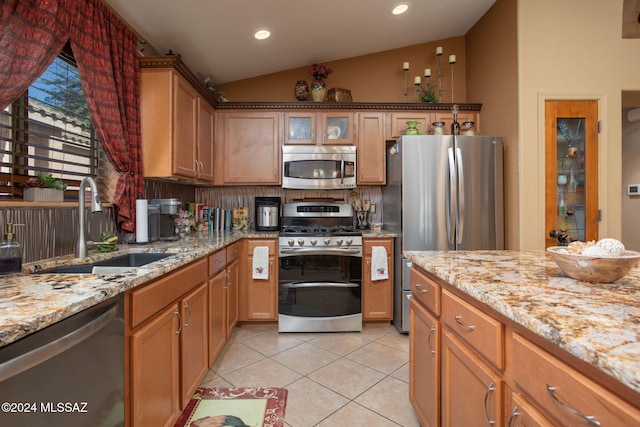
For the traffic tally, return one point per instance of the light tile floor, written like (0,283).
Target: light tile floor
(333,379)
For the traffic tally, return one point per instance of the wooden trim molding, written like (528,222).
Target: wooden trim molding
(360,106)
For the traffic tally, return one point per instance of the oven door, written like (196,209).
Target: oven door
(320,293)
(318,167)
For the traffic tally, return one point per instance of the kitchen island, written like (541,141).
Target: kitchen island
(590,327)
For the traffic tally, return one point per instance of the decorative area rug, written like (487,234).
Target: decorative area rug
(235,407)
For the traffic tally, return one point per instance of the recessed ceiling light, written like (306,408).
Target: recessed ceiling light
(262,34)
(400,9)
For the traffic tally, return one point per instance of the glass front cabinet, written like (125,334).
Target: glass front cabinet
(571,175)
(311,128)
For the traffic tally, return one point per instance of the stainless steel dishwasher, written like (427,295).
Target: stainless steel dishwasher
(69,374)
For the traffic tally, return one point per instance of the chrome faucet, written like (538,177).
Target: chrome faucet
(96,206)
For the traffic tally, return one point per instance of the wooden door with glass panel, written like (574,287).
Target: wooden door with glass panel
(571,170)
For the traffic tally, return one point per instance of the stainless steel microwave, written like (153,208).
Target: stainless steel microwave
(318,167)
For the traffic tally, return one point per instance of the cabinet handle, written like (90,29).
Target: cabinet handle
(419,288)
(590,418)
(431,331)
(459,322)
(177,312)
(188,310)
(490,390)
(514,415)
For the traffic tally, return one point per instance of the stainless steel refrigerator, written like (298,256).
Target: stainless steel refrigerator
(442,193)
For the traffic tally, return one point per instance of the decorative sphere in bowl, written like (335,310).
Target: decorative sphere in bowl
(598,269)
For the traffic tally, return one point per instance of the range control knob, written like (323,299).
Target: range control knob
(326,241)
(314,242)
(349,241)
(339,241)
(291,242)
(300,242)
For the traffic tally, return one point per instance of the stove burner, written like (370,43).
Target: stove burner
(319,230)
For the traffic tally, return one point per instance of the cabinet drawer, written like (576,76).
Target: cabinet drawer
(152,298)
(425,290)
(556,387)
(217,262)
(479,330)
(233,251)
(368,244)
(272,244)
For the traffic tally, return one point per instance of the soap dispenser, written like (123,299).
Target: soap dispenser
(10,252)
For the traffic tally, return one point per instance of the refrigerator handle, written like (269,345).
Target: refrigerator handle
(452,207)
(460,212)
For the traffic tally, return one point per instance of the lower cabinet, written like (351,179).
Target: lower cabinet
(232,294)
(424,365)
(478,385)
(520,413)
(377,296)
(471,391)
(155,370)
(260,296)
(194,341)
(167,345)
(217,314)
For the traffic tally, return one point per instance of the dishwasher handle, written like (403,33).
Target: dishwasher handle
(41,354)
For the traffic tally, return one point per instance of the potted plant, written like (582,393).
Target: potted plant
(428,93)
(43,188)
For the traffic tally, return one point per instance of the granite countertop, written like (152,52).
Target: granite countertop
(598,323)
(30,302)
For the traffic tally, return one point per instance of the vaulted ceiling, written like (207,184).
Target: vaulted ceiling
(215,37)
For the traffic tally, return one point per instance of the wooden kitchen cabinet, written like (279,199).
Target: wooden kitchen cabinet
(224,282)
(564,395)
(371,151)
(472,393)
(217,314)
(194,342)
(377,296)
(319,128)
(424,364)
(155,373)
(520,413)
(399,122)
(176,123)
(247,149)
(300,128)
(260,297)
(463,116)
(233,286)
(166,329)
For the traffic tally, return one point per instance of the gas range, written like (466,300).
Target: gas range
(317,226)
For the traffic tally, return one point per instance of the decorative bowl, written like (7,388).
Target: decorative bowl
(594,269)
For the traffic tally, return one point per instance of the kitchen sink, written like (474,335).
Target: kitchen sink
(114,265)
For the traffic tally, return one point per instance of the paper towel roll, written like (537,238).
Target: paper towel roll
(142,226)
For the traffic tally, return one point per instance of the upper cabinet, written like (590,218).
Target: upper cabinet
(247,149)
(371,153)
(319,128)
(176,122)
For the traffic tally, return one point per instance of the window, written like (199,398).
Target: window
(48,130)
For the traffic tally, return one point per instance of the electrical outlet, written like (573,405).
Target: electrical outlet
(373,208)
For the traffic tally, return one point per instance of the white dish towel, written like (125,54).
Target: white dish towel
(379,266)
(260,266)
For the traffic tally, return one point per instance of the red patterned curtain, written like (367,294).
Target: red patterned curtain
(106,51)
(32,34)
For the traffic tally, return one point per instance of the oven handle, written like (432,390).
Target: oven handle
(324,251)
(342,169)
(320,285)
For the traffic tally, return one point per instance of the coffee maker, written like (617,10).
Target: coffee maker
(267,213)
(168,211)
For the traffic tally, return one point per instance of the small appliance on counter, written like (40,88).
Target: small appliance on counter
(168,211)
(267,213)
